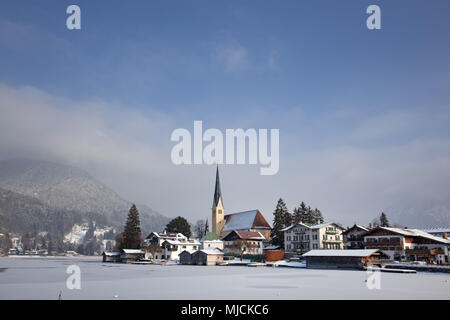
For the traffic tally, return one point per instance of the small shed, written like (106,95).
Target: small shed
(358,258)
(131,255)
(273,253)
(207,256)
(111,256)
(185,257)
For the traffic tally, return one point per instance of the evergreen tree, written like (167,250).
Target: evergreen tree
(281,219)
(317,216)
(206,227)
(384,220)
(132,232)
(179,225)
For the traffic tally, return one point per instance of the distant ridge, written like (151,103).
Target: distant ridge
(63,188)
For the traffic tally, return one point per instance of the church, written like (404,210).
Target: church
(223,224)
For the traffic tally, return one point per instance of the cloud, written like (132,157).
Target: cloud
(351,178)
(272,61)
(232,56)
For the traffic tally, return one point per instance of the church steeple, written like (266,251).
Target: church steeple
(217,208)
(217,191)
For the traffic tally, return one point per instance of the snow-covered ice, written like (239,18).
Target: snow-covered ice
(45,277)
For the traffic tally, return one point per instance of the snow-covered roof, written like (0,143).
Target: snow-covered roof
(244,221)
(111,253)
(132,251)
(437,230)
(211,251)
(294,225)
(318,226)
(179,243)
(340,253)
(356,226)
(166,235)
(272,248)
(424,234)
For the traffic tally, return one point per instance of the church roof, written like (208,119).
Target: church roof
(245,220)
(217,191)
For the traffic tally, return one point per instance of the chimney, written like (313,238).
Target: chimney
(444,236)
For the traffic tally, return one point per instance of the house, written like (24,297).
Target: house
(223,224)
(153,243)
(301,238)
(131,255)
(357,258)
(211,240)
(171,249)
(408,244)
(354,237)
(185,257)
(110,256)
(297,238)
(159,237)
(208,257)
(239,242)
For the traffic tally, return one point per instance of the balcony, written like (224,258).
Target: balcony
(383,243)
(331,231)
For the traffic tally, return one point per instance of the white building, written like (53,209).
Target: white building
(159,237)
(172,248)
(301,238)
(212,240)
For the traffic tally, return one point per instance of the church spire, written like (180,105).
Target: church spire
(217,191)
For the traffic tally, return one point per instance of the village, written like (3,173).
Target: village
(245,239)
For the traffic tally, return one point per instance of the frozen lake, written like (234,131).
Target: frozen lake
(44,278)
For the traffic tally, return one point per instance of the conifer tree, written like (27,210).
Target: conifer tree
(281,219)
(132,233)
(206,227)
(384,222)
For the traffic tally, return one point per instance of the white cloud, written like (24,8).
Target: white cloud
(233,56)
(129,150)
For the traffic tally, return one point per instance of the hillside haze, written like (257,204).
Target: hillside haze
(65,188)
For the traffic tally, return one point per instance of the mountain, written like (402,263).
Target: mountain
(23,214)
(63,188)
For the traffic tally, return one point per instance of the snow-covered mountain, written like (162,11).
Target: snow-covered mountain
(68,189)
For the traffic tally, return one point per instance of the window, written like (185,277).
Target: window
(220,211)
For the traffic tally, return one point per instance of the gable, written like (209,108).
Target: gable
(245,220)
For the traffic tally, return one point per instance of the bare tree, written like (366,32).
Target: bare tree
(199,228)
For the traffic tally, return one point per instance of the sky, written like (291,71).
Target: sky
(363,114)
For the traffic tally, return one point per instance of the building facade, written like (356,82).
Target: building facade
(354,237)
(171,249)
(408,245)
(301,238)
(240,242)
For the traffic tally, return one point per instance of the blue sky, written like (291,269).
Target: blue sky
(310,68)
